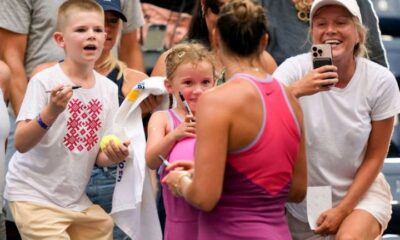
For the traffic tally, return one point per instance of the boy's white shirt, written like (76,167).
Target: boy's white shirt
(57,170)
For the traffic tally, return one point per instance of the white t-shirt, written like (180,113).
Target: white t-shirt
(4,129)
(338,122)
(57,169)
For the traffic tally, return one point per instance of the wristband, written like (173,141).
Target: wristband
(41,123)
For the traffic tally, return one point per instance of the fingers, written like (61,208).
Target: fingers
(181,164)
(59,98)
(190,128)
(173,181)
(117,152)
(327,68)
(190,119)
(320,220)
(150,103)
(326,225)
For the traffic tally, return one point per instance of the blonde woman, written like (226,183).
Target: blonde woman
(289,24)
(348,125)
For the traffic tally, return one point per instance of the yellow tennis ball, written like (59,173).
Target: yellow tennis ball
(107,138)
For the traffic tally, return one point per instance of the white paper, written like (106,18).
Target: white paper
(319,199)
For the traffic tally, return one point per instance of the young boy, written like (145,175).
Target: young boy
(58,134)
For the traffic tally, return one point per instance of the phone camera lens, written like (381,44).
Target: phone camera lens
(314,49)
(320,51)
(315,54)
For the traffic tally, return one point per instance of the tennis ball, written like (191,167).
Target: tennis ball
(107,138)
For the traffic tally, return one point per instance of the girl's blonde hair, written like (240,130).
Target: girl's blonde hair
(186,53)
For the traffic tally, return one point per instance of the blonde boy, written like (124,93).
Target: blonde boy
(58,134)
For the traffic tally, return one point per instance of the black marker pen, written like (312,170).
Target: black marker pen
(73,88)
(186,104)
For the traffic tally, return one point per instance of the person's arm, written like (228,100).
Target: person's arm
(378,142)
(5,76)
(160,140)
(375,46)
(130,51)
(298,188)
(205,188)
(29,132)
(12,51)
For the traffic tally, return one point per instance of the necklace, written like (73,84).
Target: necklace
(253,70)
(303,9)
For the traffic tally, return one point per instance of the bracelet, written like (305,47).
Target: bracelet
(41,123)
(177,185)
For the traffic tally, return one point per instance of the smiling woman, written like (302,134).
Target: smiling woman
(362,105)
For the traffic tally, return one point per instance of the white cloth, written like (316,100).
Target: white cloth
(133,207)
(338,123)
(4,129)
(57,169)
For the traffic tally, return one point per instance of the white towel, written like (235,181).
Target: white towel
(133,207)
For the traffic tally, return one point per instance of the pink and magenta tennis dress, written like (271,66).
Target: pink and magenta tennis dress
(258,177)
(181,218)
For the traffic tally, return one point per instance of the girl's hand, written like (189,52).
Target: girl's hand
(116,152)
(317,80)
(329,221)
(185,129)
(59,98)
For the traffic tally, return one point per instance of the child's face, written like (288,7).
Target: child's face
(112,28)
(192,80)
(83,36)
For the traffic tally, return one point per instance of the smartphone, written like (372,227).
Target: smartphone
(321,55)
(155,37)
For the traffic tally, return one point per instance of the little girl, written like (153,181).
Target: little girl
(171,133)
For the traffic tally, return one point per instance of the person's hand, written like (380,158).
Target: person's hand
(317,80)
(181,165)
(150,103)
(174,180)
(186,129)
(59,98)
(116,152)
(329,221)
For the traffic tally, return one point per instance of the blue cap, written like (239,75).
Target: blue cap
(112,5)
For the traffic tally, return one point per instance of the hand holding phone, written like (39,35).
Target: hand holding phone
(321,56)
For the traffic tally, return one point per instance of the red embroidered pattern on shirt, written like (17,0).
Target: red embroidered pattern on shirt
(83,124)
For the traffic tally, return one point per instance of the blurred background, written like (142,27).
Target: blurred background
(388,12)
